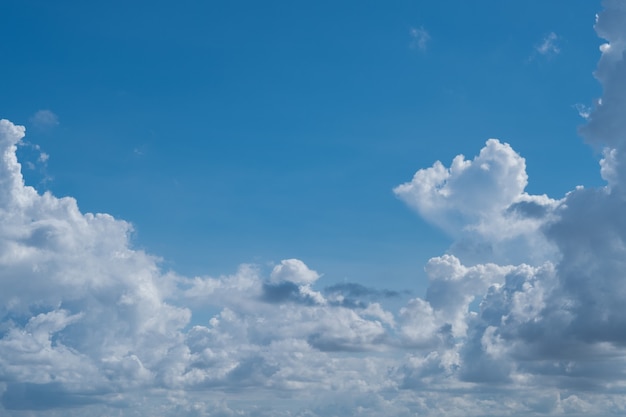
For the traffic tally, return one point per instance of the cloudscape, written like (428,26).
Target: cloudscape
(523,314)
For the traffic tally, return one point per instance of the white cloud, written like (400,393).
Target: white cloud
(44,119)
(419,38)
(549,45)
(43,157)
(294,271)
(583,110)
(482,203)
(490,183)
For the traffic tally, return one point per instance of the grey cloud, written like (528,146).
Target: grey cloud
(354,295)
(356,290)
(606,122)
(286,292)
(529,209)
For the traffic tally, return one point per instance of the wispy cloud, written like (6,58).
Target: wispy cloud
(549,45)
(44,119)
(419,38)
(583,110)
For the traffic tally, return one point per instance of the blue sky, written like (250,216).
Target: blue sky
(239,132)
(264,154)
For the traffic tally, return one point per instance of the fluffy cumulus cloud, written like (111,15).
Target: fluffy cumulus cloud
(88,321)
(523,316)
(482,204)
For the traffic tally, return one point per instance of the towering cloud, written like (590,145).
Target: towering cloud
(555,323)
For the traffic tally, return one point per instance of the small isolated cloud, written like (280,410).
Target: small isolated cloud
(44,119)
(549,46)
(419,38)
(294,271)
(43,157)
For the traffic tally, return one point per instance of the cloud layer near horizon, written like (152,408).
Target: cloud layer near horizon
(89,323)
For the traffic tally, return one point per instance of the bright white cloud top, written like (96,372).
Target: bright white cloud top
(523,316)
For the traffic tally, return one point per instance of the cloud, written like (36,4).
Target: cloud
(489,184)
(294,271)
(555,323)
(43,157)
(86,319)
(482,203)
(354,295)
(44,119)
(419,38)
(583,110)
(523,316)
(549,45)
(358,290)
(606,122)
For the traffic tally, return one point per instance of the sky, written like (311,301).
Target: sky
(312,209)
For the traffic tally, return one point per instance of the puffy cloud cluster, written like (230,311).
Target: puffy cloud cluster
(87,320)
(482,204)
(523,316)
(552,321)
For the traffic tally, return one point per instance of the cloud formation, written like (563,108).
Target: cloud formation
(87,320)
(483,205)
(523,315)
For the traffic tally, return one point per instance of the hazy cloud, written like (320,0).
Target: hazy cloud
(44,119)
(549,45)
(419,38)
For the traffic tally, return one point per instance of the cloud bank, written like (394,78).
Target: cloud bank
(523,315)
